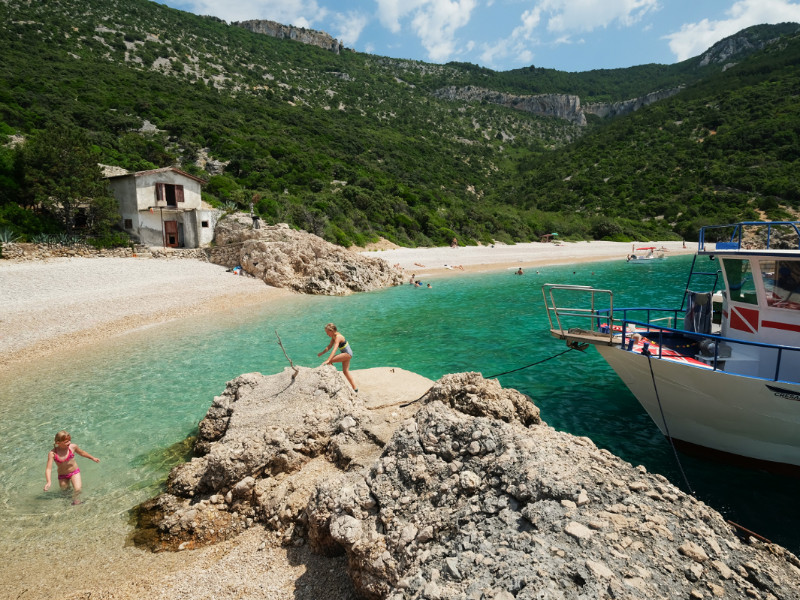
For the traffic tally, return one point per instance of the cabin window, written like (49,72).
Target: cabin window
(741,286)
(204,223)
(781,283)
(128,223)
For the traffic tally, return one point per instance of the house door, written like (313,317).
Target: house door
(171,234)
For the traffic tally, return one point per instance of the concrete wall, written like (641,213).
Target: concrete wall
(146,189)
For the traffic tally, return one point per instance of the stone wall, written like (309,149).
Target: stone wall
(31,252)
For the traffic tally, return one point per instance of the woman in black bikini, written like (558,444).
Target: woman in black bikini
(345,352)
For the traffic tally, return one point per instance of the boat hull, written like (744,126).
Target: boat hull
(727,414)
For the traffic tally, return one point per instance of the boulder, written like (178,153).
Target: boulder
(469,495)
(297,260)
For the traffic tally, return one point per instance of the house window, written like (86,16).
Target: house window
(169,193)
(128,224)
(204,223)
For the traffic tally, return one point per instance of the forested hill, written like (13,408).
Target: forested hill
(353,146)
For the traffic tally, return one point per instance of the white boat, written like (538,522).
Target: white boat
(720,375)
(650,253)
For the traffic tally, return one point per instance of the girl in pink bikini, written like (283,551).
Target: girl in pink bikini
(63,453)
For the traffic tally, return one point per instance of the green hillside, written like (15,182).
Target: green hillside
(726,148)
(352,146)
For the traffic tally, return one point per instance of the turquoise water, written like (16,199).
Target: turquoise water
(132,401)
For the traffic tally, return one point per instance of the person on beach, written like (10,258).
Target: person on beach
(63,454)
(338,342)
(429,285)
(519,271)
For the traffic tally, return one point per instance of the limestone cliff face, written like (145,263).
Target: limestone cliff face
(624,107)
(288,32)
(562,106)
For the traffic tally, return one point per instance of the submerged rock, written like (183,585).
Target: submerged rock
(471,496)
(297,260)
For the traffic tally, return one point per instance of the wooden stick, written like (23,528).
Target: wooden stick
(291,364)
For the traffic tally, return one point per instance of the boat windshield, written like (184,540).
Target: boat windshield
(741,286)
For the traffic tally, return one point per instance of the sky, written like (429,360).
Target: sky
(568,35)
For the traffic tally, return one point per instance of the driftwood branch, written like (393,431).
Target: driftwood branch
(291,364)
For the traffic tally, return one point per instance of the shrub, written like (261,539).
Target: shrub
(116,239)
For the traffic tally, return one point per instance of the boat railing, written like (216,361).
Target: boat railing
(769,233)
(593,322)
(785,358)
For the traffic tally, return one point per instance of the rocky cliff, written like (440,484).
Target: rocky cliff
(562,106)
(624,107)
(289,32)
(464,494)
(297,260)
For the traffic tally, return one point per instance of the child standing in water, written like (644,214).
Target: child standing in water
(63,453)
(345,352)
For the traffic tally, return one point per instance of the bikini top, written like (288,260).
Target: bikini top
(343,343)
(70,456)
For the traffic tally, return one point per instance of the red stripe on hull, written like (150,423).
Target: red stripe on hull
(779,325)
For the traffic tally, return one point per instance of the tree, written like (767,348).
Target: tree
(62,176)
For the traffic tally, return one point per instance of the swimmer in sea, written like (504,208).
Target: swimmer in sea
(63,454)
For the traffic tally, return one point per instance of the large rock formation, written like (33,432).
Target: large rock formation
(297,260)
(562,106)
(623,107)
(472,497)
(290,32)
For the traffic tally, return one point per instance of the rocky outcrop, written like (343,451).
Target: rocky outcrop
(289,32)
(297,260)
(262,448)
(624,107)
(562,106)
(472,497)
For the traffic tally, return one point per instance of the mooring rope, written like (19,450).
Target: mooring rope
(666,427)
(538,362)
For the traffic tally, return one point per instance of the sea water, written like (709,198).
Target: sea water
(133,401)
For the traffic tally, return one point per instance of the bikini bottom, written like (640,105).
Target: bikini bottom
(69,475)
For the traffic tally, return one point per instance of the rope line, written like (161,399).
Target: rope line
(532,364)
(666,427)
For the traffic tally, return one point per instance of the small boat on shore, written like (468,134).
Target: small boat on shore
(651,253)
(720,375)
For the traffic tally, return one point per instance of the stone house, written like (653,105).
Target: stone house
(163,207)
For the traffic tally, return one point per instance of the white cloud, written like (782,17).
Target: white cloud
(695,38)
(563,18)
(587,15)
(300,13)
(434,22)
(347,27)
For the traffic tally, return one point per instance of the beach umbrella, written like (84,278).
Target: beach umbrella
(647,248)
(554,233)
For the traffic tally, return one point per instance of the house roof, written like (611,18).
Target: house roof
(162,170)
